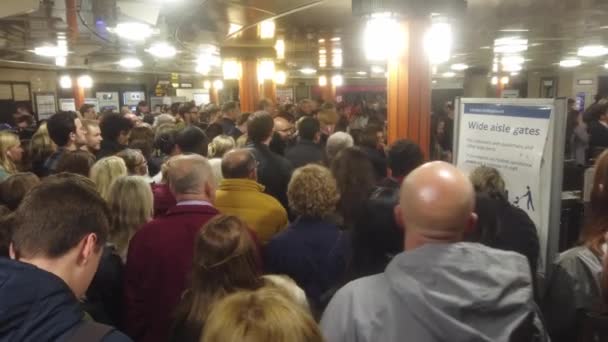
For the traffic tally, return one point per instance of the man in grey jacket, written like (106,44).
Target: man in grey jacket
(439,289)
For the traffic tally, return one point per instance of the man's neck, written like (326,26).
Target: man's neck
(413,241)
(191,197)
(70,147)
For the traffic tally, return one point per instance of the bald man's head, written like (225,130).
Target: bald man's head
(190,177)
(436,204)
(239,164)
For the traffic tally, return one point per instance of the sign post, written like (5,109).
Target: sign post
(524,140)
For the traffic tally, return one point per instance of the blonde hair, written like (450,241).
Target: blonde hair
(488,180)
(242,141)
(8,141)
(289,286)
(260,316)
(41,145)
(105,171)
(313,191)
(131,205)
(220,145)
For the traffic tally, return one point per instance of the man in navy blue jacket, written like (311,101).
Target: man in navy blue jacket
(58,236)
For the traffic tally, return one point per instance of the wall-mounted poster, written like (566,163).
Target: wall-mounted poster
(108,101)
(67,105)
(46,105)
(132,98)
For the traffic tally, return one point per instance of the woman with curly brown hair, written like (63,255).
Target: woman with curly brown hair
(312,250)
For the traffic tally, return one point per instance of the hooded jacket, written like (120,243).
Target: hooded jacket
(36,305)
(438,292)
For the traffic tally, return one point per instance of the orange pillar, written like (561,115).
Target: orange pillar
(214,96)
(270,90)
(328,93)
(78,92)
(409,89)
(248,85)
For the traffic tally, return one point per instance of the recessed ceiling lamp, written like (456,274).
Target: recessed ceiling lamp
(207,85)
(280,77)
(279,47)
(337,80)
(512,68)
(322,81)
(504,80)
(494,80)
(218,84)
(459,67)
(449,74)
(133,31)
(570,63)
(510,45)
(85,81)
(438,43)
(606,66)
(336,39)
(308,71)
(593,51)
(233,28)
(65,82)
(321,41)
(130,62)
(162,50)
(377,43)
(231,70)
(267,29)
(361,73)
(60,61)
(51,51)
(512,60)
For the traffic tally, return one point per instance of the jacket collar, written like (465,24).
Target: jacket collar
(240,184)
(192,209)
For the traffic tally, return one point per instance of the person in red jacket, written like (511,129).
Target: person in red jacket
(160,254)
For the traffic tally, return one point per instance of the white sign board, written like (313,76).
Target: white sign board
(108,101)
(67,105)
(517,137)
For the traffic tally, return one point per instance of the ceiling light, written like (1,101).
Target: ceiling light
(514,74)
(308,71)
(60,61)
(459,67)
(279,46)
(336,39)
(233,28)
(218,84)
(514,30)
(495,67)
(65,82)
(203,69)
(322,51)
(85,81)
(337,80)
(378,44)
(265,70)
(570,63)
(337,61)
(130,62)
(494,80)
(593,51)
(438,43)
(280,77)
(606,66)
(449,74)
(207,85)
(231,70)
(362,73)
(162,50)
(510,45)
(321,41)
(504,80)
(133,31)
(51,51)
(512,68)
(512,60)
(377,69)
(267,29)
(322,81)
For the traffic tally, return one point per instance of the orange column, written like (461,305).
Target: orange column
(248,85)
(78,95)
(214,96)
(409,89)
(270,90)
(328,93)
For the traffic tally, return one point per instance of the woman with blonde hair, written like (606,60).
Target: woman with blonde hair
(224,262)
(312,250)
(260,316)
(105,171)
(216,150)
(40,149)
(11,153)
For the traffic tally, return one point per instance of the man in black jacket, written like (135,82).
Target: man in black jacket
(274,171)
(598,127)
(58,236)
(115,131)
(307,150)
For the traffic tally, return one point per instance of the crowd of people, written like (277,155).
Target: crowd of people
(208,224)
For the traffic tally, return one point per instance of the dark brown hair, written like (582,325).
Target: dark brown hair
(78,162)
(259,127)
(57,214)
(15,187)
(224,262)
(597,225)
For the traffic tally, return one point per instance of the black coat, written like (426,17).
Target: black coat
(109,148)
(304,152)
(598,135)
(378,159)
(274,172)
(36,305)
(104,295)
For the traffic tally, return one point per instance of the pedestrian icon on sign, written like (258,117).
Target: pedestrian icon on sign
(530,203)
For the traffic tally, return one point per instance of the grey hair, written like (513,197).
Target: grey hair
(163,119)
(186,174)
(337,142)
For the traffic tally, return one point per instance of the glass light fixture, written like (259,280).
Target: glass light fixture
(231,70)
(133,31)
(504,80)
(265,70)
(593,51)
(280,77)
(510,45)
(85,81)
(65,82)
(378,43)
(337,80)
(308,71)
(51,51)
(207,84)
(130,62)
(279,46)
(361,73)
(322,81)
(570,63)
(512,68)
(162,50)
(494,80)
(60,61)
(377,70)
(218,84)
(459,67)
(267,29)
(234,28)
(512,60)
(449,74)
(438,43)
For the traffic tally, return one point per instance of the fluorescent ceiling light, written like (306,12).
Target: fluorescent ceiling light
(449,74)
(133,31)
(322,81)
(267,29)
(510,45)
(494,80)
(570,63)
(130,62)
(85,81)
(512,60)
(60,61)
(162,50)
(606,66)
(218,84)
(337,80)
(203,69)
(438,43)
(321,41)
(280,77)
(514,74)
(51,51)
(362,73)
(512,68)
(279,46)
(377,69)
(459,67)
(308,71)
(514,30)
(233,28)
(65,82)
(336,39)
(593,51)
(337,61)
(207,85)
(231,70)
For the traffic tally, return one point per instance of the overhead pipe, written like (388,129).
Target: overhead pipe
(71,14)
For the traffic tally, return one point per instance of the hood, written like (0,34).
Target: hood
(36,305)
(477,293)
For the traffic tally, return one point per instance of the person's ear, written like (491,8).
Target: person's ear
(89,248)
(471,224)
(398,212)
